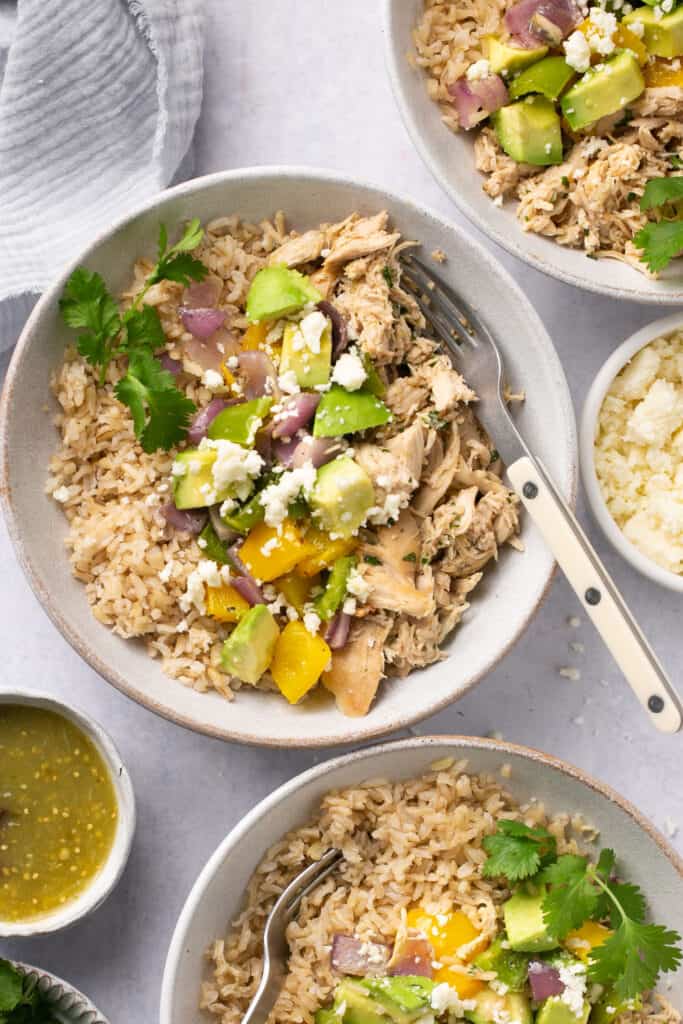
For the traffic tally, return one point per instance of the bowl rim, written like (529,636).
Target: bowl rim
(109,875)
(89,653)
(86,1004)
(511,242)
(283,792)
(587,431)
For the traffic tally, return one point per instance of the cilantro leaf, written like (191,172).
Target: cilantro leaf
(11,987)
(660,242)
(161,413)
(630,899)
(517,851)
(143,329)
(176,264)
(660,191)
(87,304)
(633,957)
(572,898)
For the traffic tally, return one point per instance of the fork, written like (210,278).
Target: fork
(275,949)
(474,353)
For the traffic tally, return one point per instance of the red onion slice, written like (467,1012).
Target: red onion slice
(284,450)
(363,959)
(259,375)
(173,366)
(202,294)
(296,413)
(545,981)
(475,100)
(202,323)
(531,21)
(244,584)
(317,450)
(212,353)
(221,529)
(413,954)
(205,417)
(337,632)
(190,521)
(340,333)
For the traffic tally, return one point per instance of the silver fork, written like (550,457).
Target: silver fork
(275,950)
(475,354)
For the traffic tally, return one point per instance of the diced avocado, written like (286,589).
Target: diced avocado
(602,92)
(335,588)
(505,59)
(373,381)
(193,484)
(346,412)
(311,369)
(327,1017)
(354,1005)
(662,36)
(239,423)
(212,546)
(247,515)
(529,131)
(549,77)
(609,1006)
(341,496)
(490,1007)
(278,291)
(248,651)
(511,968)
(404,998)
(555,1011)
(524,923)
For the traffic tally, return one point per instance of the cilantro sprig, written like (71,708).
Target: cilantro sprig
(577,890)
(161,412)
(20,1000)
(662,239)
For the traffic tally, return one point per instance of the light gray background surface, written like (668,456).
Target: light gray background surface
(303,81)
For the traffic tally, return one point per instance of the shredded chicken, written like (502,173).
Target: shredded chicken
(361,236)
(301,249)
(358,668)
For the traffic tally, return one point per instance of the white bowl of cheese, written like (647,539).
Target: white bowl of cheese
(631,444)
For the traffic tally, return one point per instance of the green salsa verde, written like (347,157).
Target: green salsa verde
(58,811)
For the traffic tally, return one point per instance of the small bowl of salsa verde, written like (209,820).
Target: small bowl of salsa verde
(67,814)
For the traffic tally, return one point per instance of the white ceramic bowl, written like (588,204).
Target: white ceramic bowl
(589,424)
(71,1005)
(218,894)
(450,158)
(506,600)
(109,874)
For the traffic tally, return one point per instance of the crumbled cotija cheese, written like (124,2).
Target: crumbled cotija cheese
(639,451)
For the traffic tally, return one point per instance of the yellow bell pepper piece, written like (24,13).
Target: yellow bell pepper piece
(225,604)
(584,940)
(228,375)
(297,589)
(323,551)
(298,661)
(255,336)
(662,72)
(447,933)
(623,39)
(465,986)
(269,553)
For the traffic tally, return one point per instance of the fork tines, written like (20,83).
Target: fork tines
(437,305)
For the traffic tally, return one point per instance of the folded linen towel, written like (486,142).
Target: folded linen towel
(98,105)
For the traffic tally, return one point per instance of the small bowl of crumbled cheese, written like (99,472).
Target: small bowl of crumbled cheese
(632,450)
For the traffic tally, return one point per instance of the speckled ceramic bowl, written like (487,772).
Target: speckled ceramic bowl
(70,1005)
(450,158)
(218,894)
(507,598)
(107,878)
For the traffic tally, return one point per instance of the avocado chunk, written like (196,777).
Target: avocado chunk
(549,77)
(311,369)
(335,588)
(662,36)
(341,496)
(529,131)
(247,515)
(239,423)
(346,412)
(555,1011)
(505,59)
(193,483)
(354,1005)
(602,92)
(278,291)
(404,998)
(512,968)
(491,1007)
(525,925)
(248,651)
(323,1016)
(213,547)
(610,1006)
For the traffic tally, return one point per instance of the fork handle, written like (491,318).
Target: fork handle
(595,589)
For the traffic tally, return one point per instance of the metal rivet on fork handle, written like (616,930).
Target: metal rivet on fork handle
(656,704)
(530,490)
(593,596)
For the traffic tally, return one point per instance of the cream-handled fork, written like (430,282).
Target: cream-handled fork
(475,354)
(275,950)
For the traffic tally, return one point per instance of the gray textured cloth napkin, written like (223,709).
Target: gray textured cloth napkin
(98,104)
